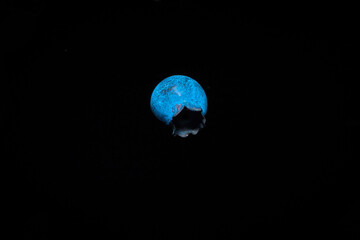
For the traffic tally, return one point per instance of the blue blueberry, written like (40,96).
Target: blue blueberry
(180,101)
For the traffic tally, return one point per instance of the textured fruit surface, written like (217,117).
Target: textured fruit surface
(174,93)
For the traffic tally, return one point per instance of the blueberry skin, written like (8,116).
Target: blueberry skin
(174,93)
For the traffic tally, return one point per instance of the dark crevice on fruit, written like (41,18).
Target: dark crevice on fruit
(188,121)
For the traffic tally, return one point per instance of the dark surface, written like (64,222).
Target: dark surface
(277,154)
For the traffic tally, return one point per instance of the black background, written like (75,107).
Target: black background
(276,158)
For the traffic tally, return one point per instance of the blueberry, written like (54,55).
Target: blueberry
(180,101)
